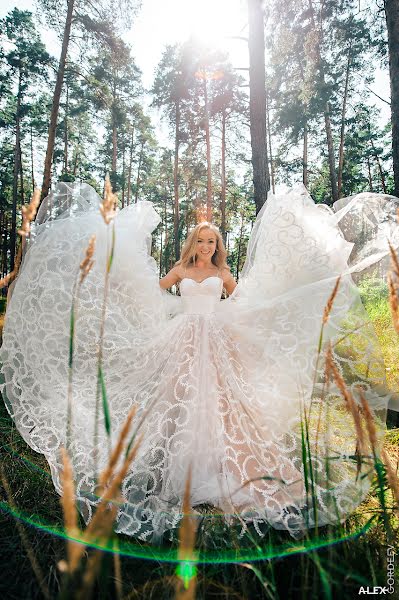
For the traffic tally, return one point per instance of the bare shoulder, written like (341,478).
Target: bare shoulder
(226,274)
(172,277)
(178,271)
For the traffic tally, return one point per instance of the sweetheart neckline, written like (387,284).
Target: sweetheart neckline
(202,281)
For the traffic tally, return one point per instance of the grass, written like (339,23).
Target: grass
(313,568)
(374,295)
(333,571)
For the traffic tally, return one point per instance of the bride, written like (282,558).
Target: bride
(236,389)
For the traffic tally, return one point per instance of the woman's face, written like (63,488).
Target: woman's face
(206,244)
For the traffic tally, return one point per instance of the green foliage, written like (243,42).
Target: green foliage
(312,49)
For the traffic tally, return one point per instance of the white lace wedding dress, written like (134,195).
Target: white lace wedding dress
(220,385)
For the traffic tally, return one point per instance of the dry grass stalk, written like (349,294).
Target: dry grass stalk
(370,424)
(350,403)
(394,259)
(391,476)
(330,301)
(68,506)
(106,474)
(29,213)
(328,362)
(88,261)
(393,279)
(393,302)
(186,555)
(99,526)
(24,538)
(94,562)
(109,203)
(118,572)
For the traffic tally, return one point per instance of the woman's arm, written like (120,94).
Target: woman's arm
(229,283)
(170,278)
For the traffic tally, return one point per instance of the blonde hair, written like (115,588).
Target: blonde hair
(189,249)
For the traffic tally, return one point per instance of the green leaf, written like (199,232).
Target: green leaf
(111,256)
(105,401)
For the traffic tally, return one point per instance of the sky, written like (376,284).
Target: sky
(162,22)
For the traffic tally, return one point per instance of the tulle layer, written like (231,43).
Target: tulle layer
(224,393)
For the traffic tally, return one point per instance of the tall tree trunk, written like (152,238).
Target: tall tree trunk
(75,162)
(343,119)
(5,246)
(331,153)
(305,174)
(392,19)
(3,233)
(160,257)
(17,160)
(370,175)
(380,169)
(223,178)
(114,131)
(176,182)
(113,176)
(21,174)
(56,101)
(129,173)
(65,169)
(240,245)
(31,158)
(123,176)
(269,136)
(165,220)
(327,116)
(208,154)
(257,102)
(138,181)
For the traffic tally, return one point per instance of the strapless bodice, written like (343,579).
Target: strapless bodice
(201,297)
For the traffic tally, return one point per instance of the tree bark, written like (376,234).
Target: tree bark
(370,175)
(56,101)
(257,102)
(160,257)
(66,166)
(240,246)
(392,19)
(138,180)
(17,160)
(31,158)
(380,169)
(114,137)
(129,173)
(176,182)
(269,136)
(331,153)
(5,246)
(75,163)
(21,174)
(123,176)
(305,174)
(208,155)
(343,117)
(223,179)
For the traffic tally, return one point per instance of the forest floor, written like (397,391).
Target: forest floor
(332,563)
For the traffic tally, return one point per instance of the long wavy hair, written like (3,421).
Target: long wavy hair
(189,249)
